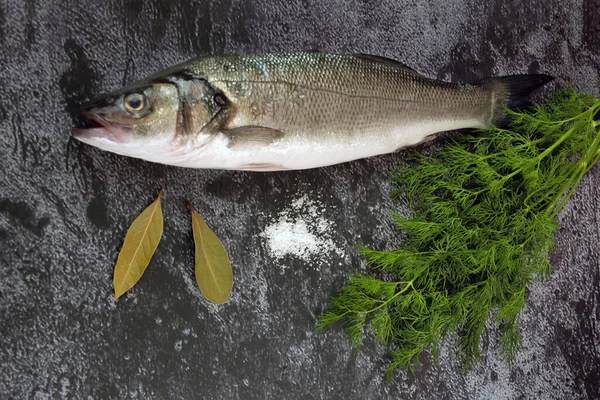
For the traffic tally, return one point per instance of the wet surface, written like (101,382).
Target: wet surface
(65,207)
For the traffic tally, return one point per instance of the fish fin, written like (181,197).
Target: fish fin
(176,76)
(429,138)
(385,60)
(250,134)
(263,167)
(426,139)
(512,92)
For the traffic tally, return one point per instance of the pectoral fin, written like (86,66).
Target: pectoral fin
(252,135)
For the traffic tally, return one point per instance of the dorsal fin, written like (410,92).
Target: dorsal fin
(385,60)
(177,76)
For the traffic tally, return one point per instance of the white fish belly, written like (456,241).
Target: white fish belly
(303,152)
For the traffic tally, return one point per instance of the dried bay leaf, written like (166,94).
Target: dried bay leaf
(213,267)
(140,243)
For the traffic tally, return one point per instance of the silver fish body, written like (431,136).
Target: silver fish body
(284,111)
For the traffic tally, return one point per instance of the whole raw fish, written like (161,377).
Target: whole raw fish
(283,111)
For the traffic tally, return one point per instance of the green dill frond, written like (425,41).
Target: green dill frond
(481,228)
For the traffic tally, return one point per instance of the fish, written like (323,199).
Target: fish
(290,110)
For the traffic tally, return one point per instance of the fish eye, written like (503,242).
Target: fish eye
(134,102)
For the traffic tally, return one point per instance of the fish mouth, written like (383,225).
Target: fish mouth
(101,129)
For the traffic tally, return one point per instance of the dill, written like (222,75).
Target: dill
(483,217)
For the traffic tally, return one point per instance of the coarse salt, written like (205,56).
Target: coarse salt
(301,231)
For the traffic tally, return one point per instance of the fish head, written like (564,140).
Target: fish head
(149,120)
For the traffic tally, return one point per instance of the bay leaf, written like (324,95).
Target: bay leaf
(140,244)
(213,267)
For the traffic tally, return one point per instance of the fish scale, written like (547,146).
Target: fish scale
(338,96)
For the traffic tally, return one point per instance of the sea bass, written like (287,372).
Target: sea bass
(282,111)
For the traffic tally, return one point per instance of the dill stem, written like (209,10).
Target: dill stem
(554,145)
(594,161)
(550,149)
(561,199)
(408,284)
(585,163)
(539,158)
(528,144)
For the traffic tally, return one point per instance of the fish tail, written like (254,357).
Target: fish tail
(512,92)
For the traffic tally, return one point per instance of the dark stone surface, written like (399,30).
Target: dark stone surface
(65,207)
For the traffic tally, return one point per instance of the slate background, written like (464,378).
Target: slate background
(65,207)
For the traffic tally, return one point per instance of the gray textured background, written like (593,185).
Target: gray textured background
(65,207)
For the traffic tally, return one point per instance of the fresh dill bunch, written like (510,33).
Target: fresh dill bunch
(483,215)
